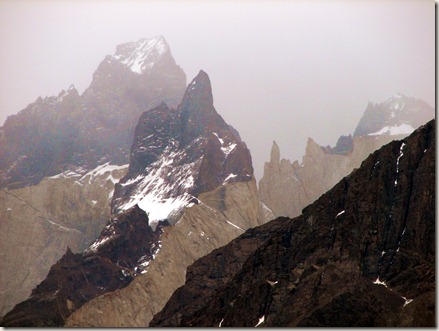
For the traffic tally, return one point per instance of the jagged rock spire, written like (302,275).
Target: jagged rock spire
(275,153)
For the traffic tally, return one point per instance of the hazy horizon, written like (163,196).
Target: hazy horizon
(280,70)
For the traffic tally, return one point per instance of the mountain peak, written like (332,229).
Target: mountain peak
(197,111)
(200,87)
(398,115)
(142,55)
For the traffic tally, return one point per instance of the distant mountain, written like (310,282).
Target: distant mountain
(398,115)
(81,132)
(61,156)
(362,255)
(189,189)
(286,188)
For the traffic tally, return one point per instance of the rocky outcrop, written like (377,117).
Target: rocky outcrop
(39,222)
(220,216)
(362,255)
(179,154)
(71,130)
(189,189)
(286,188)
(78,278)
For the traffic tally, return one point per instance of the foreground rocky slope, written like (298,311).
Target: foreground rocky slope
(362,255)
(286,188)
(189,189)
(81,132)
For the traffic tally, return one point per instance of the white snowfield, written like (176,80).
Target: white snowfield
(100,171)
(165,187)
(143,54)
(394,130)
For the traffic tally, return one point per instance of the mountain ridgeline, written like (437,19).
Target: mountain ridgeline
(189,189)
(286,188)
(81,132)
(363,254)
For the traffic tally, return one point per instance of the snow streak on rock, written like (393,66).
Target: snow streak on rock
(165,187)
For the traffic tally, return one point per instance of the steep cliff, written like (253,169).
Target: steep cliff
(189,189)
(363,255)
(286,188)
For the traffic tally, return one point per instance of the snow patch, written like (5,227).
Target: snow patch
(407,301)
(230,177)
(164,189)
(221,322)
(394,130)
(235,226)
(104,169)
(261,320)
(340,213)
(226,149)
(99,242)
(379,282)
(143,54)
(401,153)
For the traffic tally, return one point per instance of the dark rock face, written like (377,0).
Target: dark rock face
(83,131)
(361,255)
(125,245)
(182,153)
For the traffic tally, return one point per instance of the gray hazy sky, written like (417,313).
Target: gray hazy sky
(280,70)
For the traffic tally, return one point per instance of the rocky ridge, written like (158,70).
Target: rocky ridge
(287,187)
(363,255)
(72,131)
(189,189)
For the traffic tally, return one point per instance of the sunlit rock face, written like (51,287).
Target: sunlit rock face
(189,189)
(286,188)
(39,222)
(71,130)
(362,255)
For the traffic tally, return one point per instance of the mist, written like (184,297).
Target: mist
(280,70)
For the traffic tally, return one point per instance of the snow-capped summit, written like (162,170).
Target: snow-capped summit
(143,54)
(399,115)
(96,126)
